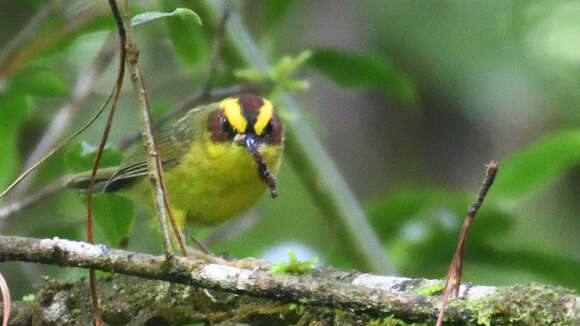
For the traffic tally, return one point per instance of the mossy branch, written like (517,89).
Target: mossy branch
(189,290)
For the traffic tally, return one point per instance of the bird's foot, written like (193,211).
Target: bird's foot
(250,263)
(225,259)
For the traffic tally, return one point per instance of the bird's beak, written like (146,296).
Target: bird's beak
(249,141)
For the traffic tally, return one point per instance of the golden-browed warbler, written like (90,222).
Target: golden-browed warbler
(218,159)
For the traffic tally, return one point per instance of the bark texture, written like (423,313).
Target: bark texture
(183,291)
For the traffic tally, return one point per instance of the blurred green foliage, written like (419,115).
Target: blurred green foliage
(535,166)
(349,69)
(190,43)
(183,13)
(15,110)
(115,216)
(491,79)
(113,213)
(39,81)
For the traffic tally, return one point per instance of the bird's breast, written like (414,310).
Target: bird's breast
(214,182)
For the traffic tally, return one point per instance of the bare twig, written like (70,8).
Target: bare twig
(82,89)
(162,204)
(374,295)
(456,266)
(104,138)
(7,302)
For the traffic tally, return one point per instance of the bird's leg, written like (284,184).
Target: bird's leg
(245,263)
(207,256)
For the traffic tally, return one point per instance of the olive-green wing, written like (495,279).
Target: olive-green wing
(135,166)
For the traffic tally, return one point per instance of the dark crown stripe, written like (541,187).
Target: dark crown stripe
(251,106)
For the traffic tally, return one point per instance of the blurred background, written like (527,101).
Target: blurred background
(409,98)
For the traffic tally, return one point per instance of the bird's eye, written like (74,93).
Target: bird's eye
(219,127)
(226,126)
(269,128)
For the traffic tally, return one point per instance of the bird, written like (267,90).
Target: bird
(218,160)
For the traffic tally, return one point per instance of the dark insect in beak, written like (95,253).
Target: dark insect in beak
(263,171)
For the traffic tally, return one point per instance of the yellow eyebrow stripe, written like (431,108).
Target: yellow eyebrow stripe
(233,112)
(263,117)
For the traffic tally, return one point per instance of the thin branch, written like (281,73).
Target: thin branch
(364,294)
(53,149)
(313,164)
(456,266)
(161,198)
(5,299)
(57,186)
(90,188)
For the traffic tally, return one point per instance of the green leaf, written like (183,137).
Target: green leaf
(190,43)
(39,81)
(81,155)
(351,69)
(294,266)
(115,216)
(183,13)
(537,165)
